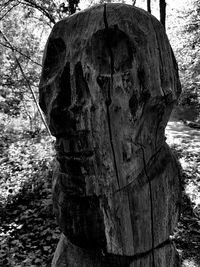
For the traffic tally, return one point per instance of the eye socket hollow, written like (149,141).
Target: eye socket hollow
(54,58)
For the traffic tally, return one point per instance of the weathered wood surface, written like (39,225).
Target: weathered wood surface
(108,86)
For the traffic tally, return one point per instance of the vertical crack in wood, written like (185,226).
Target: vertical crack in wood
(109,102)
(109,99)
(151,204)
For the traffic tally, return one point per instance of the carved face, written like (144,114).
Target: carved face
(124,64)
(108,85)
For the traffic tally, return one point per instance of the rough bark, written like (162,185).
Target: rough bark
(108,86)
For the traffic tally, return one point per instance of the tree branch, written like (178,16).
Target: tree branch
(28,84)
(38,7)
(21,53)
(6,4)
(8,11)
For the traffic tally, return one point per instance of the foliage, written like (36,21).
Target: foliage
(28,231)
(25,161)
(185,39)
(24,26)
(16,99)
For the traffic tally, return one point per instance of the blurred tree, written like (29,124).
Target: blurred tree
(25,24)
(186,42)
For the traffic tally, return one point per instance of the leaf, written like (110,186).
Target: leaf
(46,248)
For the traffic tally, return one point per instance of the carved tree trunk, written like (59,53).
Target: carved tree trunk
(108,86)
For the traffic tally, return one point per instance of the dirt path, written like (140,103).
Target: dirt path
(180,134)
(186,142)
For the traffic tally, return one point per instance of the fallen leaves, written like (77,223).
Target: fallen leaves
(28,231)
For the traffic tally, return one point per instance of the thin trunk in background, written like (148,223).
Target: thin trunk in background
(27,81)
(72,6)
(163,12)
(149,6)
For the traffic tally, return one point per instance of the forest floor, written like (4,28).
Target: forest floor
(28,231)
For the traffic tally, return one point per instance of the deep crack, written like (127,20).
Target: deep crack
(151,203)
(109,99)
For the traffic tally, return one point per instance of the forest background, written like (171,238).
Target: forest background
(28,232)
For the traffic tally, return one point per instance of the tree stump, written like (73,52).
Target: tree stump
(108,86)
